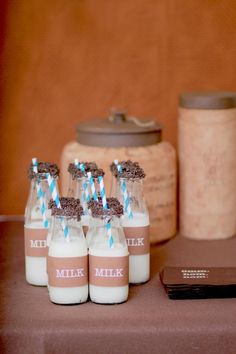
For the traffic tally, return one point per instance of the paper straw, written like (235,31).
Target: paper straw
(35,164)
(83,198)
(110,238)
(85,186)
(53,190)
(92,186)
(124,192)
(76,162)
(102,192)
(55,197)
(40,194)
(105,206)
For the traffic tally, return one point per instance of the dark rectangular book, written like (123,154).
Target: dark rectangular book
(199,282)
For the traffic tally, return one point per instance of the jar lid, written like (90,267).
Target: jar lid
(119,130)
(208,100)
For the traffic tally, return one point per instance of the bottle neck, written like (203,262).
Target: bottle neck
(75,188)
(42,183)
(131,190)
(102,221)
(37,204)
(101,236)
(71,223)
(79,188)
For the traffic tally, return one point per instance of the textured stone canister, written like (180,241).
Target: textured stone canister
(207,165)
(123,138)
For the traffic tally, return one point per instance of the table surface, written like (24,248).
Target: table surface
(148,322)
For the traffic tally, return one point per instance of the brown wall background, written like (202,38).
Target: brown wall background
(67,61)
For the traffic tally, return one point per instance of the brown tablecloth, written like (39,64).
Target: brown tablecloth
(148,323)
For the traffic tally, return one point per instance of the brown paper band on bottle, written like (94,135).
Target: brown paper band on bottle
(137,239)
(35,242)
(109,271)
(67,272)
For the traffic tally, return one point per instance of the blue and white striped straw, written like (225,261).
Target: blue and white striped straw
(55,197)
(83,198)
(105,206)
(76,162)
(53,190)
(40,194)
(110,238)
(92,186)
(124,192)
(85,186)
(102,192)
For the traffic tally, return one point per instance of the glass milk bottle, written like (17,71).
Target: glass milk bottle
(135,221)
(108,265)
(68,263)
(35,232)
(136,229)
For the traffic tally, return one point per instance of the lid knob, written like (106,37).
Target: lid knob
(117,116)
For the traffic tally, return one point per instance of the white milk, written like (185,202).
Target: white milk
(77,247)
(49,239)
(35,267)
(35,270)
(104,294)
(139,265)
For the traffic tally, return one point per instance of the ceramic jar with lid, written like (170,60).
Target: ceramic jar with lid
(125,137)
(207,161)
